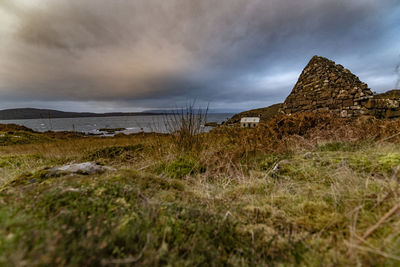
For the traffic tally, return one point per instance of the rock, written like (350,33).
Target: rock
(111,130)
(85,168)
(71,189)
(211,124)
(308,155)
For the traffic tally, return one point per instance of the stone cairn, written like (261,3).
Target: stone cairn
(326,87)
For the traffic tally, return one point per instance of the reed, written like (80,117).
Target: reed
(187,126)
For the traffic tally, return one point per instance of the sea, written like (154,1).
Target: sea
(130,124)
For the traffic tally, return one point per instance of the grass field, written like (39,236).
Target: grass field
(302,191)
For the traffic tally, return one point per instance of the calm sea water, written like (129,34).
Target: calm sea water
(132,124)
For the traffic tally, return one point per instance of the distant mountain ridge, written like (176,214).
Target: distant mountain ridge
(33,113)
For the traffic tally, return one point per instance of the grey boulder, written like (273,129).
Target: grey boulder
(85,168)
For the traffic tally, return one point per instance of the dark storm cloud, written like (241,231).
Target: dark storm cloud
(151,53)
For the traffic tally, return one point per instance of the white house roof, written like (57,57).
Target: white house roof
(250,119)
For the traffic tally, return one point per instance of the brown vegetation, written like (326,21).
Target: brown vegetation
(265,114)
(306,189)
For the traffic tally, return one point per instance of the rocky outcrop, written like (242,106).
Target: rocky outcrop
(326,87)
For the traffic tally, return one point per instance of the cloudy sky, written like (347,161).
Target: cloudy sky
(132,55)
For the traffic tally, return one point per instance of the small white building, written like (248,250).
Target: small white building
(249,122)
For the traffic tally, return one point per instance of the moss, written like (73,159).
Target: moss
(388,161)
(344,146)
(30,178)
(182,167)
(315,215)
(337,146)
(374,162)
(361,163)
(93,223)
(296,169)
(11,232)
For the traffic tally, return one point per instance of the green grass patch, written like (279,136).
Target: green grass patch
(388,161)
(19,138)
(344,146)
(181,167)
(11,162)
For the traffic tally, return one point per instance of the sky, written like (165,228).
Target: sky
(135,55)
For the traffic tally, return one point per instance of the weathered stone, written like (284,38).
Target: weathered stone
(392,113)
(79,168)
(327,87)
(308,155)
(348,102)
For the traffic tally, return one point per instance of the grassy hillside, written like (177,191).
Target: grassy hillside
(300,190)
(264,113)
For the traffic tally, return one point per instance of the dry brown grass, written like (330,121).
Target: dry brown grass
(224,150)
(257,190)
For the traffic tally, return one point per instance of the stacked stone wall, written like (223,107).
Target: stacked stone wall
(326,87)
(386,105)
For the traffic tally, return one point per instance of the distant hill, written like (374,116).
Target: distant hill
(33,113)
(265,114)
(195,110)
